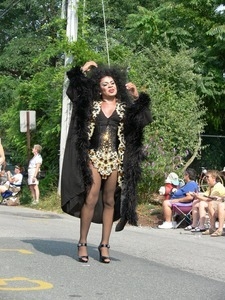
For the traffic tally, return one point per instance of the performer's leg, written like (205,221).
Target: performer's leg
(88,210)
(108,211)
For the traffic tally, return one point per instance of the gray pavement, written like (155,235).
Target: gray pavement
(38,261)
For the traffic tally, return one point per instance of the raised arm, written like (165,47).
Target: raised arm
(78,82)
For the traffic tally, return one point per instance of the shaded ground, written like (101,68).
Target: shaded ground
(151,220)
(150,214)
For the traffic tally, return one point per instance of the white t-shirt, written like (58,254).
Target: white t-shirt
(37,159)
(18,179)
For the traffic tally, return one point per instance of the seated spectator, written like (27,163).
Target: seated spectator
(198,216)
(182,195)
(171,185)
(13,182)
(216,210)
(211,199)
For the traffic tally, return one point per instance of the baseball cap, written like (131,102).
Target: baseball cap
(172,178)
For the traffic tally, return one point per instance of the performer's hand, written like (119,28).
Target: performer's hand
(132,90)
(88,65)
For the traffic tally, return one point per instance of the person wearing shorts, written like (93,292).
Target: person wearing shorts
(33,169)
(214,197)
(182,195)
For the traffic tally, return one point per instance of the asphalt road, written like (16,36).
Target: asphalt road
(38,261)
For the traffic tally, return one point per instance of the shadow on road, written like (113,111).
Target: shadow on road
(58,248)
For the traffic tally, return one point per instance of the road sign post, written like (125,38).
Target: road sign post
(27,123)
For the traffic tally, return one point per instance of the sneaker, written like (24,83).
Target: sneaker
(166,225)
(189,227)
(198,229)
(35,202)
(209,231)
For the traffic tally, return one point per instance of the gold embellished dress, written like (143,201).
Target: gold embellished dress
(104,144)
(106,141)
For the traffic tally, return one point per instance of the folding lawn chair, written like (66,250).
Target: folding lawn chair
(184,210)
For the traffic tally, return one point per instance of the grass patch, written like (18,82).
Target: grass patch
(50,202)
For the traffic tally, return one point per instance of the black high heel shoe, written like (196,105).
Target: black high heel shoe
(84,258)
(103,259)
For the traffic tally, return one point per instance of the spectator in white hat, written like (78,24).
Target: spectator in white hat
(182,195)
(172,183)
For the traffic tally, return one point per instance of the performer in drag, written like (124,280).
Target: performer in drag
(103,152)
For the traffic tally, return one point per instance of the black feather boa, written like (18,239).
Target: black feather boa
(81,92)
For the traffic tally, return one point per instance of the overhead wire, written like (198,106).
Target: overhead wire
(105,28)
(106,37)
(84,7)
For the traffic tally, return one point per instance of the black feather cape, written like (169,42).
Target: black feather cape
(76,176)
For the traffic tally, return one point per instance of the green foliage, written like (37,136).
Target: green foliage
(218,32)
(7,87)
(42,94)
(174,51)
(25,196)
(143,25)
(177,109)
(212,154)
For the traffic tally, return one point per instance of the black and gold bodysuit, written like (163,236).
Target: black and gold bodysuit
(86,145)
(106,140)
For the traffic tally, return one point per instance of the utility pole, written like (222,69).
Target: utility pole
(69,11)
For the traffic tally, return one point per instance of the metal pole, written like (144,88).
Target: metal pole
(28,136)
(71,31)
(106,37)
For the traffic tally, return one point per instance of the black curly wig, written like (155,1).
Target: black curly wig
(118,75)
